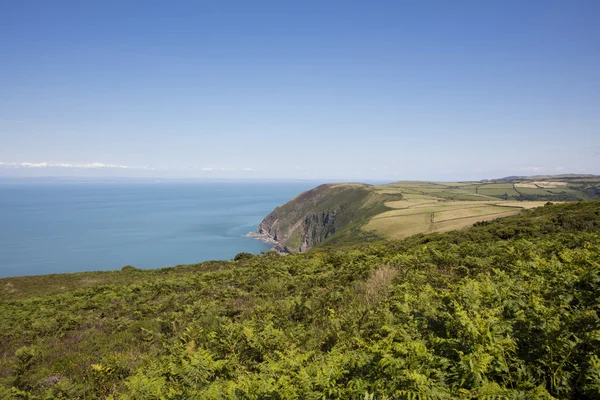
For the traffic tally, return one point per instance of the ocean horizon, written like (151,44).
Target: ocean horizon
(55,226)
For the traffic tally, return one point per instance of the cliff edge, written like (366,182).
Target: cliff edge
(317,214)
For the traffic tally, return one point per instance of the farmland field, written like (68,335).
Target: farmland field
(436,190)
(413,216)
(556,191)
(539,191)
(570,191)
(458,195)
(443,206)
(544,185)
(498,189)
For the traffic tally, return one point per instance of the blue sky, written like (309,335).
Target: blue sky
(438,90)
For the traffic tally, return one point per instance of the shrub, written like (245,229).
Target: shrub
(243,256)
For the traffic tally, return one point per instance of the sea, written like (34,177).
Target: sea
(48,228)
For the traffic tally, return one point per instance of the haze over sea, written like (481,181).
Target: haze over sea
(71,227)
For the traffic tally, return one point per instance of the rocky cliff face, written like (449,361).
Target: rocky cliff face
(320,213)
(311,230)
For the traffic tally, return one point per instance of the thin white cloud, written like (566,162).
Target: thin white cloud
(206,169)
(68,165)
(32,165)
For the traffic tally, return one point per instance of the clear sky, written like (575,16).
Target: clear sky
(437,90)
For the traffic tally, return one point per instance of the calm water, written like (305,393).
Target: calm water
(50,228)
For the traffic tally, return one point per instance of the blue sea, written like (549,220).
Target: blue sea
(50,228)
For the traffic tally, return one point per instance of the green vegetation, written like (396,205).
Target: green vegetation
(508,309)
(548,188)
(500,190)
(342,214)
(243,256)
(413,216)
(316,215)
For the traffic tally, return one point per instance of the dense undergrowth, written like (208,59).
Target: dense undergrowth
(506,309)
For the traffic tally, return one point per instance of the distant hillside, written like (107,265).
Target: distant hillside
(317,214)
(350,213)
(548,177)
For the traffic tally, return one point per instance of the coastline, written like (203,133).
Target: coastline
(266,238)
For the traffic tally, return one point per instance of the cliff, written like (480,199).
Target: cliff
(316,215)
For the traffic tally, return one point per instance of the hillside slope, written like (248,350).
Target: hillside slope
(315,215)
(337,214)
(508,309)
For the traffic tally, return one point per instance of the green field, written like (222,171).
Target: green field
(444,190)
(473,190)
(569,191)
(498,190)
(538,191)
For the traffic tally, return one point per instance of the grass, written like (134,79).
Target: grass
(444,190)
(522,204)
(410,201)
(466,212)
(443,206)
(458,195)
(359,210)
(586,180)
(554,190)
(315,215)
(539,191)
(504,310)
(570,191)
(498,190)
(22,287)
(425,216)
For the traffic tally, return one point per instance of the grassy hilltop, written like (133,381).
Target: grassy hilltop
(337,214)
(507,309)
